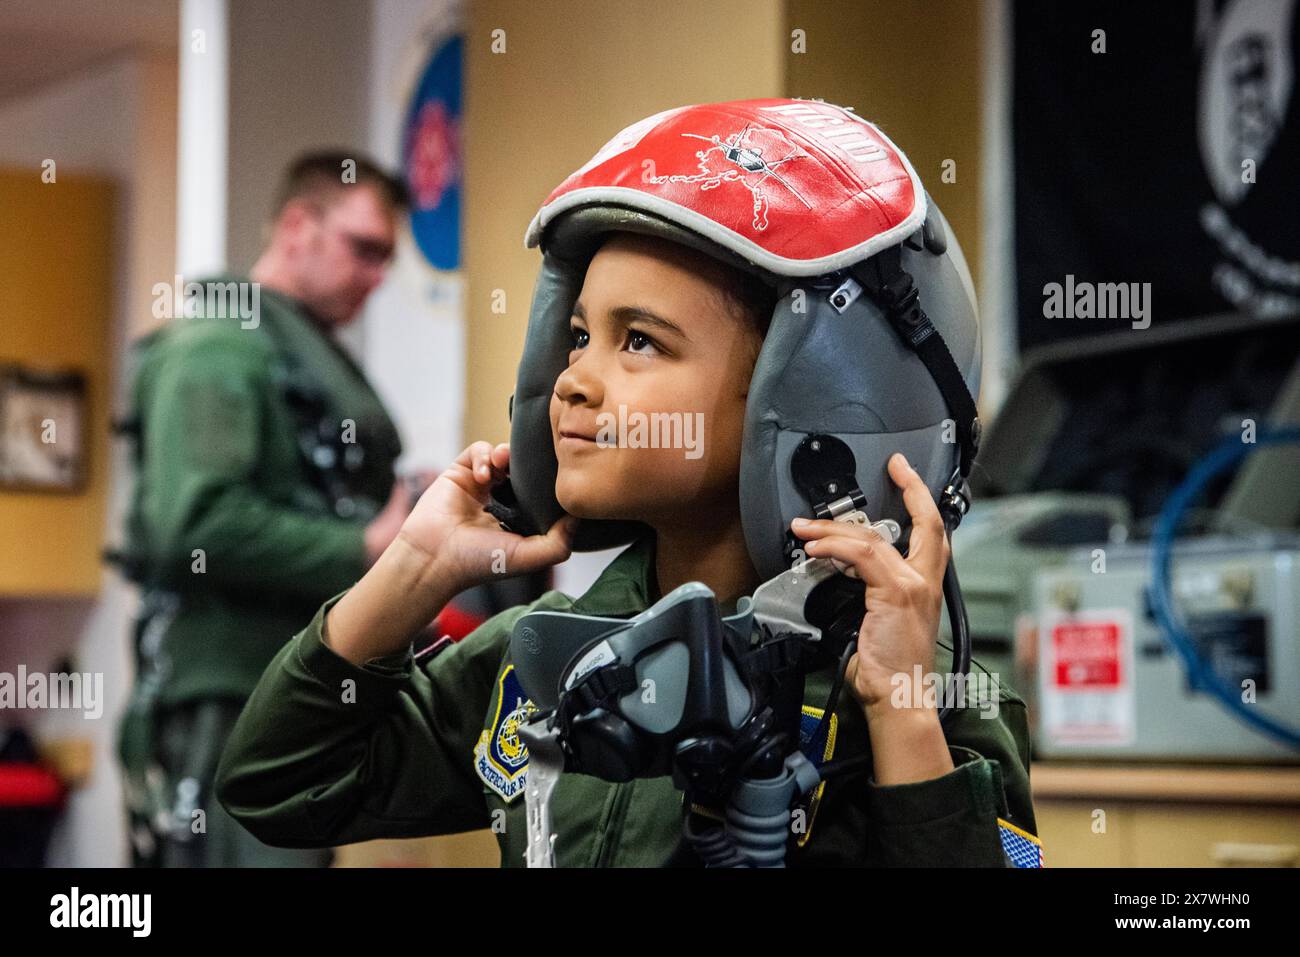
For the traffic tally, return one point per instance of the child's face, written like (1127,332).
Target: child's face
(633,383)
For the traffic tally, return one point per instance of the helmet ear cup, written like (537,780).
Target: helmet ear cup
(503,505)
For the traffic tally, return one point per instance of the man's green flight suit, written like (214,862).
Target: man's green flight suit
(263,452)
(327,752)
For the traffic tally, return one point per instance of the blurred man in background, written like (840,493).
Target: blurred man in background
(265,486)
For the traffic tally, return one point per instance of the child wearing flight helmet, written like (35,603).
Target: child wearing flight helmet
(750,324)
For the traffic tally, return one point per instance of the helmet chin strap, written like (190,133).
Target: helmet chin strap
(894,290)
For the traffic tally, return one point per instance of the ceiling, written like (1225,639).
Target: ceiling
(45,41)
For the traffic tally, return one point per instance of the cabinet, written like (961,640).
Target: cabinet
(1111,815)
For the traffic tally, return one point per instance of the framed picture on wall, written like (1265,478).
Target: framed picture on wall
(42,430)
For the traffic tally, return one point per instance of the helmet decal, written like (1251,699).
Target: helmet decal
(747,175)
(750,157)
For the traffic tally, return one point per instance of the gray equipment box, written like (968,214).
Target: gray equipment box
(1110,686)
(1093,437)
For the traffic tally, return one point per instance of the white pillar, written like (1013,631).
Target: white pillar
(998,314)
(202,127)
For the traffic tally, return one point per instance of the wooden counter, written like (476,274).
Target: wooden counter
(1248,784)
(1095,814)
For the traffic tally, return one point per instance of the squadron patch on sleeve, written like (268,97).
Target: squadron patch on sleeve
(501,757)
(1022,848)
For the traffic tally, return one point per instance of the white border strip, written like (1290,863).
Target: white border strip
(202,154)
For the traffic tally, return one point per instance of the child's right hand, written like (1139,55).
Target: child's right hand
(466,544)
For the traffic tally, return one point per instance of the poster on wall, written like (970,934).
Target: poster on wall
(1156,148)
(414,324)
(431,155)
(42,434)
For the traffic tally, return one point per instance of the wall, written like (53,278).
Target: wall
(116,120)
(913,68)
(55,276)
(298,81)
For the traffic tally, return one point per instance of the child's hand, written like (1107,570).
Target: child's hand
(904,596)
(448,524)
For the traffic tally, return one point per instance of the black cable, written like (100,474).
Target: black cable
(778,741)
(961,666)
(961,645)
(837,684)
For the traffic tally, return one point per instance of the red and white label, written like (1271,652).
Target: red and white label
(1086,678)
(1087,654)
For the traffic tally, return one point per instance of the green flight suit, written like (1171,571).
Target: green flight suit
(244,519)
(327,752)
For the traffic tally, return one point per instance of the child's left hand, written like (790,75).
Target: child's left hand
(904,596)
